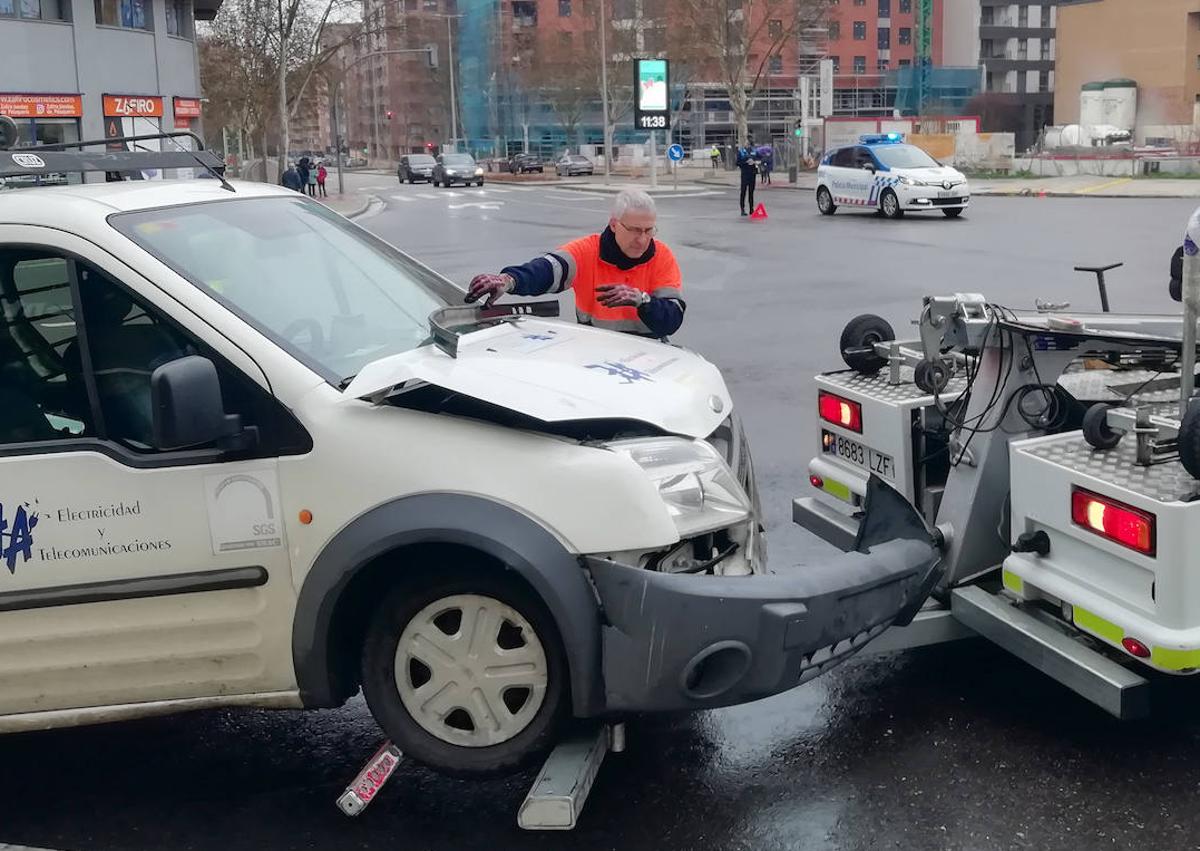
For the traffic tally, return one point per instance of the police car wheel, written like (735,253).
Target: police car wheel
(1096,430)
(952,213)
(889,205)
(931,377)
(825,202)
(858,339)
(1189,440)
(466,674)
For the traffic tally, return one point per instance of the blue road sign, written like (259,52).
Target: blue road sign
(675,152)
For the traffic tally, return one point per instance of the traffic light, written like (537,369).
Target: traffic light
(799,127)
(390,114)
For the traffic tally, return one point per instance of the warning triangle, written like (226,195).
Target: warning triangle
(760,212)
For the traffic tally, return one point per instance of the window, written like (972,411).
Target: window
(881,65)
(863,158)
(860,64)
(564,8)
(843,158)
(836,62)
(835,30)
(1047,48)
(905,7)
(860,2)
(431,6)
(860,30)
(775,28)
(884,38)
(885,8)
(906,35)
(775,64)
(987,16)
(1043,81)
(904,63)
(48,394)
(179,18)
(131,14)
(622,9)
(36,10)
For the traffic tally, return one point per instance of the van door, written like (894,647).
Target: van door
(127,574)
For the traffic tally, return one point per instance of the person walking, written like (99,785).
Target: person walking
(747,162)
(312,180)
(623,279)
(322,174)
(302,168)
(716,158)
(291,179)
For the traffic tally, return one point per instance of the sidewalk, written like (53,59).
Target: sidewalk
(351,205)
(1087,186)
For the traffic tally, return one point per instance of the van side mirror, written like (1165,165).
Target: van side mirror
(188,409)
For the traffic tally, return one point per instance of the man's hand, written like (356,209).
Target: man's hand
(621,295)
(492,286)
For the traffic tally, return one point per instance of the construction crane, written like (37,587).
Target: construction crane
(923,60)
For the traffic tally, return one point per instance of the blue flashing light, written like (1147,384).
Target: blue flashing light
(881,138)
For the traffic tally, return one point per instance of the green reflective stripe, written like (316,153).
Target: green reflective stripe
(1173,659)
(837,489)
(1097,625)
(1013,582)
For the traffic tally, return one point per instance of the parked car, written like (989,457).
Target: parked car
(573,164)
(457,168)
(414,167)
(524,163)
(356,162)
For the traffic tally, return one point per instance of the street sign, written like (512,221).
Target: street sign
(652,104)
(675,152)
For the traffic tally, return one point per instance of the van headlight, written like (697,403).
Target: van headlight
(697,486)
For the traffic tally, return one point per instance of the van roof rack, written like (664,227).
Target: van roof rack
(41,160)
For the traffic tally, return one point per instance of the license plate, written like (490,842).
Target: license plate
(946,194)
(363,789)
(864,456)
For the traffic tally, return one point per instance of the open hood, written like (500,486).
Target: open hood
(554,372)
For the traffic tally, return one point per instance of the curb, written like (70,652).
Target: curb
(353,213)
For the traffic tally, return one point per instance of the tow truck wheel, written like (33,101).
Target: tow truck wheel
(825,202)
(889,204)
(858,342)
(1189,440)
(1097,432)
(467,675)
(931,377)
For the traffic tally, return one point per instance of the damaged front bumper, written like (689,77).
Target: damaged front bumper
(674,642)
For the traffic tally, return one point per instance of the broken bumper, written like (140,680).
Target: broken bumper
(674,642)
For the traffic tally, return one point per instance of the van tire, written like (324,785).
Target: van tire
(408,612)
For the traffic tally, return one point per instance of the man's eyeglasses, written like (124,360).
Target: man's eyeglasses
(650,231)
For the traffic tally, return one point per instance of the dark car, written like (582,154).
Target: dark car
(524,163)
(572,164)
(457,168)
(414,167)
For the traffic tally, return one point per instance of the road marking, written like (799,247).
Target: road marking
(1100,186)
(401,197)
(448,194)
(483,205)
(495,189)
(427,196)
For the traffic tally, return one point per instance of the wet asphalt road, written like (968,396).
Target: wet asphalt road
(953,747)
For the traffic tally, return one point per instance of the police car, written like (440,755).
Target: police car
(884,173)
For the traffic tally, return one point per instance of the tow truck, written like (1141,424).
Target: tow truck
(1056,453)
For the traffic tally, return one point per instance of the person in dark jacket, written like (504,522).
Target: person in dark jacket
(747,162)
(1176,285)
(291,179)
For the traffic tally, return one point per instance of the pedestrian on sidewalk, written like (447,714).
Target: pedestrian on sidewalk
(716,158)
(302,168)
(312,180)
(747,162)
(291,179)
(322,174)
(623,279)
(768,165)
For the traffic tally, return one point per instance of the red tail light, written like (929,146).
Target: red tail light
(1131,527)
(1136,647)
(839,411)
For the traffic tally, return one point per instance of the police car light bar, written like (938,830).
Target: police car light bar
(880,138)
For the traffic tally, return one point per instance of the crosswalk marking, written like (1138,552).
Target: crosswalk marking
(451,194)
(427,196)
(401,197)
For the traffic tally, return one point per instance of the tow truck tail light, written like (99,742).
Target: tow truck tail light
(1136,647)
(839,411)
(1128,526)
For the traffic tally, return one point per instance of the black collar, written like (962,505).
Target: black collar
(610,252)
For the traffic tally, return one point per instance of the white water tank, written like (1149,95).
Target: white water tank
(1091,104)
(1120,104)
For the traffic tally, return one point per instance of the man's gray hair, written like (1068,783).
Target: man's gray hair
(632,199)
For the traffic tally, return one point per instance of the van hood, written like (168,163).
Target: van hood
(555,372)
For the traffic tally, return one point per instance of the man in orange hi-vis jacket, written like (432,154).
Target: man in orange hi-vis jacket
(623,279)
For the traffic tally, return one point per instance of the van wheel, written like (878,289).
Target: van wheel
(889,205)
(467,675)
(825,202)
(858,341)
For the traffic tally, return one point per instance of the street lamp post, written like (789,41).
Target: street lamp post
(604,93)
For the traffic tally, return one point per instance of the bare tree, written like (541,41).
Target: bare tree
(737,38)
(564,78)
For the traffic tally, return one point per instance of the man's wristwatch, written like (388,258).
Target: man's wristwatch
(644,298)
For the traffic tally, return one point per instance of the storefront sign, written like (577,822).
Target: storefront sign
(133,106)
(186,110)
(41,106)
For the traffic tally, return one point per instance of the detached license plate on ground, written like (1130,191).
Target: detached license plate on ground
(363,789)
(864,456)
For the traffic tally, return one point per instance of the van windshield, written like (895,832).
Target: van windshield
(320,287)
